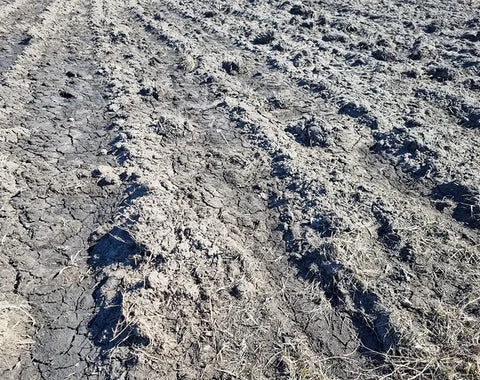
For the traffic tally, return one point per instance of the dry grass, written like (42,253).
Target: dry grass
(16,328)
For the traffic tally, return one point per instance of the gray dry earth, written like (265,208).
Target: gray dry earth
(252,189)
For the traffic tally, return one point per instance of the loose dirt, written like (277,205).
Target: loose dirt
(214,190)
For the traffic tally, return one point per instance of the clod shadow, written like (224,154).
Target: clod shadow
(116,247)
(468,202)
(109,328)
(119,151)
(320,265)
(372,323)
(360,113)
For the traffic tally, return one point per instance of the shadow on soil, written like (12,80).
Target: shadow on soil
(370,320)
(320,265)
(467,208)
(116,249)
(109,328)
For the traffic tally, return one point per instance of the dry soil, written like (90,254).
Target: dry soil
(239,190)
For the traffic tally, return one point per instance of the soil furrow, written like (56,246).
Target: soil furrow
(54,204)
(254,190)
(342,82)
(14,34)
(183,45)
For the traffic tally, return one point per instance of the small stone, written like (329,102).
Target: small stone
(188,64)
(157,281)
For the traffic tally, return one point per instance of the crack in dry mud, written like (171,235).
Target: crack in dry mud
(239,190)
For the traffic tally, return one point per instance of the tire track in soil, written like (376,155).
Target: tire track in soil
(17,75)
(55,204)
(14,33)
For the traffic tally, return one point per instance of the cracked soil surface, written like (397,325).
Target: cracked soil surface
(239,190)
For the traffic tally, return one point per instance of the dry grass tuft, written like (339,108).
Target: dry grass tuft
(16,325)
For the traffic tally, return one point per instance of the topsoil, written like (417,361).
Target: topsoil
(239,190)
